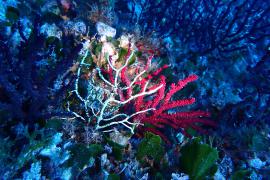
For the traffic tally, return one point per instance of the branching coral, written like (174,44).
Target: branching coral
(112,95)
(123,89)
(163,102)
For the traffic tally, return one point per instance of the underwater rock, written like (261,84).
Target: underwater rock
(15,41)
(255,176)
(3,8)
(224,94)
(182,176)
(80,27)
(226,166)
(104,160)
(133,169)
(180,137)
(76,28)
(51,7)
(108,149)
(26,27)
(105,30)
(85,46)
(34,172)
(12,3)
(54,152)
(119,138)
(66,175)
(219,176)
(19,129)
(256,163)
(145,177)
(50,30)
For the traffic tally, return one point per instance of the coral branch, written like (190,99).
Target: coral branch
(123,95)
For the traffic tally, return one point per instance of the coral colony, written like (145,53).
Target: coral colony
(124,89)
(134,90)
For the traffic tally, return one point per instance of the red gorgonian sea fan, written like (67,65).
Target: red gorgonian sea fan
(162,101)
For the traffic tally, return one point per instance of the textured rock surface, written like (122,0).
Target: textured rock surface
(105,30)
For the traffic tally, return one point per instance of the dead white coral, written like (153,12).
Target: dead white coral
(102,110)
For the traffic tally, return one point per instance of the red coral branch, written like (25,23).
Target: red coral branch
(162,102)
